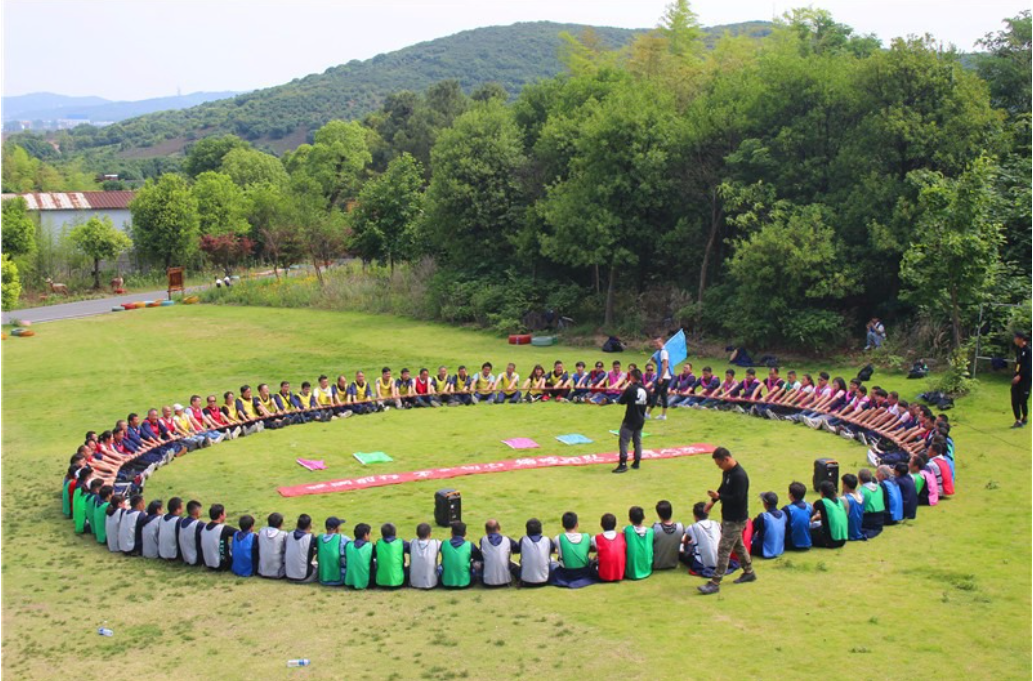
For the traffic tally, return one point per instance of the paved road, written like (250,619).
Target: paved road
(83,308)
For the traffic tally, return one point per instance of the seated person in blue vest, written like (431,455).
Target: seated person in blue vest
(508,385)
(190,529)
(853,501)
(130,529)
(389,558)
(425,390)
(168,533)
(874,504)
(462,388)
(639,542)
(406,389)
(244,549)
(829,523)
(769,529)
(360,397)
(217,540)
(441,387)
(557,383)
(799,512)
(579,383)
(908,491)
(699,547)
(667,537)
(151,527)
(423,559)
(891,497)
(271,546)
(358,559)
(535,549)
(496,567)
(300,552)
(457,558)
(330,553)
(572,549)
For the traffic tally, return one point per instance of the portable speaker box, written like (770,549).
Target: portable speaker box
(448,507)
(826,469)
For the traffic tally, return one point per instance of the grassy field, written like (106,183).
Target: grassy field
(948,594)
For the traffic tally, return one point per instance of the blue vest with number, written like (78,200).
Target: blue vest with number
(894,502)
(774,543)
(854,516)
(243,548)
(800,525)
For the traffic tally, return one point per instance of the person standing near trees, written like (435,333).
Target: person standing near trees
(664,375)
(1021,382)
(635,398)
(734,497)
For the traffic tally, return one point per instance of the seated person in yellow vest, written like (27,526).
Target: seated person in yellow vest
(389,558)
(572,549)
(192,437)
(188,439)
(217,540)
(168,530)
(286,404)
(358,559)
(496,567)
(299,553)
(699,548)
(100,514)
(112,522)
(462,388)
(190,529)
(406,389)
(769,529)
(424,390)
(457,558)
(306,400)
(423,559)
(330,553)
(237,411)
(534,386)
(340,390)
(247,409)
(271,546)
(558,383)
(441,387)
(387,393)
(151,528)
(267,409)
(536,564)
(639,541)
(667,537)
(130,529)
(360,397)
(224,417)
(484,385)
(508,384)
(326,396)
(829,522)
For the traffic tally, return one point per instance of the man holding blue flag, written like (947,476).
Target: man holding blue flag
(664,370)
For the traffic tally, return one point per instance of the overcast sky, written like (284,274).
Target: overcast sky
(135,49)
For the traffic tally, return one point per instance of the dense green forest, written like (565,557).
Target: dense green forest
(776,191)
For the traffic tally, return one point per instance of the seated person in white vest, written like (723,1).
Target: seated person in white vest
(799,512)
(330,553)
(457,558)
(100,511)
(244,549)
(423,559)
(639,541)
(190,534)
(769,529)
(151,527)
(667,537)
(572,550)
(300,552)
(112,523)
(358,559)
(389,558)
(272,546)
(216,540)
(536,564)
(168,533)
(699,549)
(610,551)
(496,568)
(130,529)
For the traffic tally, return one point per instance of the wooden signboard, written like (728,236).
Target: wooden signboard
(175,280)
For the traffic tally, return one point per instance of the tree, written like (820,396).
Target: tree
(165,220)
(321,232)
(221,204)
(208,153)
(489,91)
(384,219)
(19,230)
(954,257)
(334,161)
(247,166)
(226,250)
(99,239)
(1007,65)
(680,26)
(10,283)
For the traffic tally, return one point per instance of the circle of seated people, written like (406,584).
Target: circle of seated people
(911,450)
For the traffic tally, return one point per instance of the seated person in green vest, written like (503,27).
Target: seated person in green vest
(667,537)
(90,503)
(389,558)
(769,529)
(457,558)
(100,514)
(572,549)
(853,503)
(535,549)
(610,551)
(639,541)
(330,553)
(68,488)
(798,533)
(244,548)
(829,523)
(423,559)
(299,552)
(358,559)
(874,504)
(216,540)
(508,385)
(496,567)
(82,485)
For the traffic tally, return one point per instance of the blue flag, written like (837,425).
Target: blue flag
(677,351)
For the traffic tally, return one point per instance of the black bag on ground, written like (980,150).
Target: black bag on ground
(918,370)
(865,374)
(613,344)
(826,469)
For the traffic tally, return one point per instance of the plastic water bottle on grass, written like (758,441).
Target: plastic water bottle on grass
(104,631)
(304,662)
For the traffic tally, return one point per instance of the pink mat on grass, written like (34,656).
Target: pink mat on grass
(521,443)
(312,465)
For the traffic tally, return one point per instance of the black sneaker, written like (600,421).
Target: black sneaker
(709,588)
(1017,424)
(746,577)
(635,465)
(621,469)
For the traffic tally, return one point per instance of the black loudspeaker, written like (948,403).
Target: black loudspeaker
(448,507)
(826,469)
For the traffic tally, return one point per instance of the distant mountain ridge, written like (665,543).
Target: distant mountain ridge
(49,106)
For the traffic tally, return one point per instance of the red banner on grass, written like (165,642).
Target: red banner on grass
(521,464)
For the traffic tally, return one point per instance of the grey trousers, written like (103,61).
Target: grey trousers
(635,436)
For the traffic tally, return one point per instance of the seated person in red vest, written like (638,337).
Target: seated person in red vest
(572,548)
(610,551)
(769,529)
(424,390)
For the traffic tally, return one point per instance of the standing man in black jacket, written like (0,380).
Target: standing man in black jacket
(733,494)
(1021,382)
(635,399)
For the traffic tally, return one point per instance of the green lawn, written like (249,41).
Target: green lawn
(947,595)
